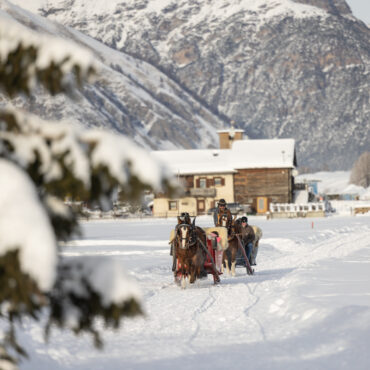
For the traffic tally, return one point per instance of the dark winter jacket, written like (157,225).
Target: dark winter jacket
(247,234)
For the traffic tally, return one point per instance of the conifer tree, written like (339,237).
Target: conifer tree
(40,164)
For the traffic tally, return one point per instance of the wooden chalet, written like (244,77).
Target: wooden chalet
(264,172)
(250,172)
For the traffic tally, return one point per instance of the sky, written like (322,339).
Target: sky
(360,9)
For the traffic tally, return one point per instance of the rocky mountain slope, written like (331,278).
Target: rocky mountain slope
(279,68)
(130,96)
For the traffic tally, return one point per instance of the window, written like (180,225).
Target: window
(172,205)
(218,181)
(201,205)
(202,182)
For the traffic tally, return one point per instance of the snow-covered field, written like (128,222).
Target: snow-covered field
(306,307)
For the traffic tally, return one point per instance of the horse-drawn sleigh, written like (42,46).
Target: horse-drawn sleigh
(198,252)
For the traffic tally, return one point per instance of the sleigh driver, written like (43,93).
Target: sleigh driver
(222,216)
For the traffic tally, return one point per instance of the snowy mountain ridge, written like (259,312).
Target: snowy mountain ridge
(147,12)
(130,96)
(280,68)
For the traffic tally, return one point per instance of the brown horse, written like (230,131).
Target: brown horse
(233,246)
(189,252)
(235,243)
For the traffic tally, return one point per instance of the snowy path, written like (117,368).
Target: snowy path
(307,306)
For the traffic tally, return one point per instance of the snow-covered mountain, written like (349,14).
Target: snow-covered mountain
(279,68)
(130,96)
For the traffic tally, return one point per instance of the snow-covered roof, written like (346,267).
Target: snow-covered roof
(275,153)
(196,161)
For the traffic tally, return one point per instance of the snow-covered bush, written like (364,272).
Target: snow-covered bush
(41,163)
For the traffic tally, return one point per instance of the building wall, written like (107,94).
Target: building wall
(161,207)
(274,184)
(225,191)
(243,187)
(191,203)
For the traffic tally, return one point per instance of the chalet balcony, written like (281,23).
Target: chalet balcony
(203,192)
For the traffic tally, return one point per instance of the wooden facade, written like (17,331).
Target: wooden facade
(256,187)
(275,184)
(249,172)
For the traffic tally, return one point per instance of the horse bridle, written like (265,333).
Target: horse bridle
(190,238)
(234,231)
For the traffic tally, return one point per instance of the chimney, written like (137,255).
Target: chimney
(227,137)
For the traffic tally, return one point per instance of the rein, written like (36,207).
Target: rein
(210,257)
(233,235)
(250,271)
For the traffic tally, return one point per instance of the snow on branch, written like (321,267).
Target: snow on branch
(91,284)
(105,276)
(58,146)
(117,152)
(54,152)
(41,163)
(51,49)
(24,225)
(27,57)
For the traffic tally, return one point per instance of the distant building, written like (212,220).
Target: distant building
(253,172)
(306,191)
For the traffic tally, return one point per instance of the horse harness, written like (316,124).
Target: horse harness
(190,236)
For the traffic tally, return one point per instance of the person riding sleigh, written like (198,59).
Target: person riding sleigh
(222,216)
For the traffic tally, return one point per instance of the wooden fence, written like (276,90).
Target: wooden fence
(291,210)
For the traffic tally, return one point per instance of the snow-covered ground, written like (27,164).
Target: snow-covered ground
(306,307)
